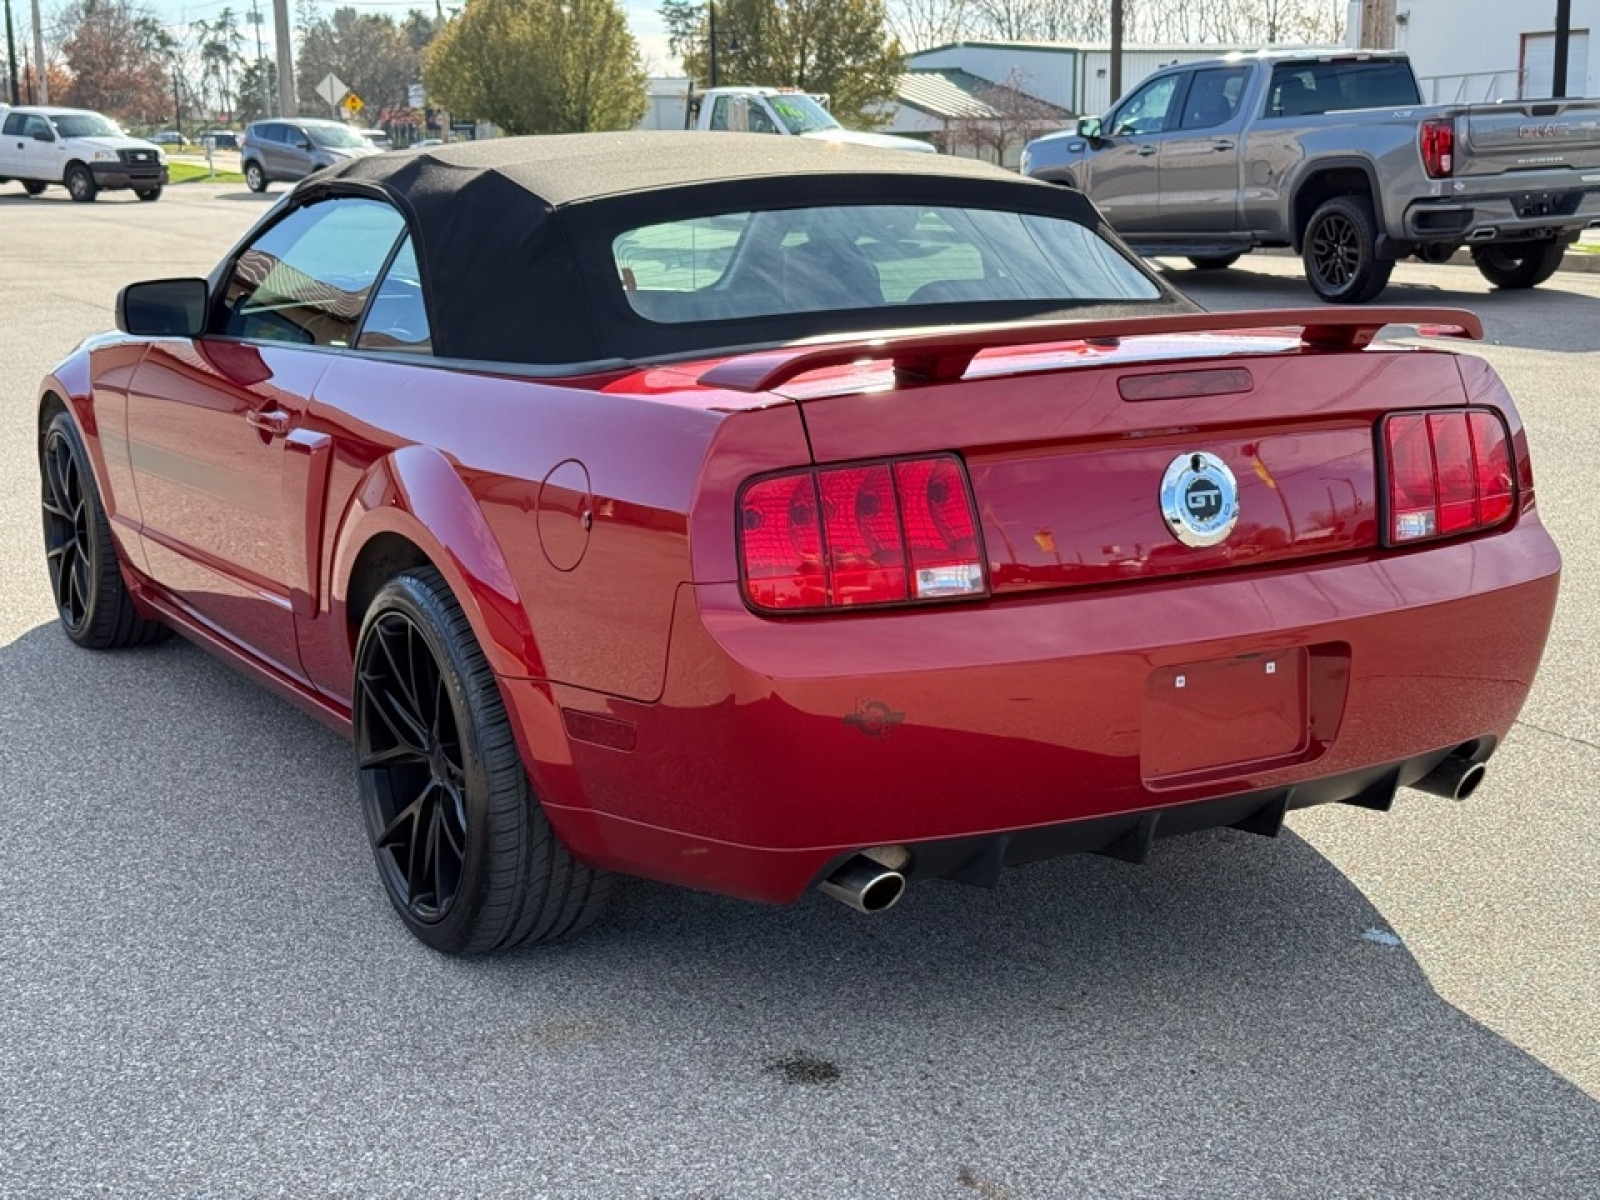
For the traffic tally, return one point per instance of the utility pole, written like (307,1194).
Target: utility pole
(1377,24)
(261,59)
(711,33)
(1558,70)
(1116,50)
(286,99)
(38,56)
(11,57)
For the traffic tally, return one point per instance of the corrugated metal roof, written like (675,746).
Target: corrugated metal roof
(954,94)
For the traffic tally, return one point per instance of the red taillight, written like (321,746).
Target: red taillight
(1449,473)
(875,533)
(1439,148)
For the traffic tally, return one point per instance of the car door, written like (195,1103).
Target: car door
(1200,154)
(1124,176)
(273,159)
(12,139)
(221,463)
(32,148)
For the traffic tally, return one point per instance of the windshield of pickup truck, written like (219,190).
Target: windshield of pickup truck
(1311,88)
(75,125)
(801,114)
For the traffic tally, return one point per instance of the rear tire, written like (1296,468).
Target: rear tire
(92,600)
(1213,262)
(34,186)
(1518,264)
(1340,252)
(254,177)
(80,183)
(465,852)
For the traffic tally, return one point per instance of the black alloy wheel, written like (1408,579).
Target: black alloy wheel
(462,846)
(1339,250)
(410,752)
(68,544)
(92,601)
(80,184)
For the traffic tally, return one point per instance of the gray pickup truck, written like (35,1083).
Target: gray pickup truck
(1333,154)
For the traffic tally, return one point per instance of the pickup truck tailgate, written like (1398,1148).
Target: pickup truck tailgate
(1535,135)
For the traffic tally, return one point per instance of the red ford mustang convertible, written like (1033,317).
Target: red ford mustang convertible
(759,515)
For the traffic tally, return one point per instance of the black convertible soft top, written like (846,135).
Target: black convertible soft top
(514,235)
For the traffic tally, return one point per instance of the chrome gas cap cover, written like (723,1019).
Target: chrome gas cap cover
(1199,499)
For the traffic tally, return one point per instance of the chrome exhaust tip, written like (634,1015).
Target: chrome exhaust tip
(1456,778)
(865,885)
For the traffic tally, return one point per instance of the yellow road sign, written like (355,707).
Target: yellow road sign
(353,102)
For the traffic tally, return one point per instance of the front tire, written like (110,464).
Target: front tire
(465,852)
(80,184)
(92,600)
(147,194)
(1518,264)
(1212,262)
(254,177)
(1340,252)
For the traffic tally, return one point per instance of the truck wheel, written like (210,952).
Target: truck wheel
(254,177)
(1213,262)
(463,848)
(80,184)
(148,193)
(1518,264)
(1340,251)
(34,186)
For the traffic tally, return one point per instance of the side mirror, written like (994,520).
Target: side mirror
(1089,127)
(304,144)
(163,308)
(43,135)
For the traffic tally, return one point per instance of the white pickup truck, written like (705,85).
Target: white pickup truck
(82,150)
(766,110)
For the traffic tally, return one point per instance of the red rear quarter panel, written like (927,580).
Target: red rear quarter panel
(560,509)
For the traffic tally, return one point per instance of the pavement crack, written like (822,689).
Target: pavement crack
(1565,737)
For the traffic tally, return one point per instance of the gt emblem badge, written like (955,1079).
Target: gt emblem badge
(1199,499)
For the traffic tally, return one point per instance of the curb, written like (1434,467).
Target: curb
(1575,262)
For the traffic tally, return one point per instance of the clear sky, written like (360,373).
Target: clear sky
(643,19)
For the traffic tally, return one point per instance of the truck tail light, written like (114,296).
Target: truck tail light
(1449,473)
(902,531)
(1439,148)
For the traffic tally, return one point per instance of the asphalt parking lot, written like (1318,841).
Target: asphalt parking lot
(206,994)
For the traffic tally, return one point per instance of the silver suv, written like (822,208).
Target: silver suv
(287,150)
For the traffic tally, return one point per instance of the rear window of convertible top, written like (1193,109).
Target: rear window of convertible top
(803,260)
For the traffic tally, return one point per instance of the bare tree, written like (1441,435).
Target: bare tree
(1013,119)
(922,24)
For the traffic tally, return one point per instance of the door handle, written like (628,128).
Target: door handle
(271,421)
(1145,151)
(1222,144)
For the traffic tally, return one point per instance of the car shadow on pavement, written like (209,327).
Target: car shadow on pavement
(189,888)
(1548,317)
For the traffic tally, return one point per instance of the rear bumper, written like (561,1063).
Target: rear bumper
(989,734)
(1542,213)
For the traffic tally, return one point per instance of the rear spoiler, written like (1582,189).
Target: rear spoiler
(945,355)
